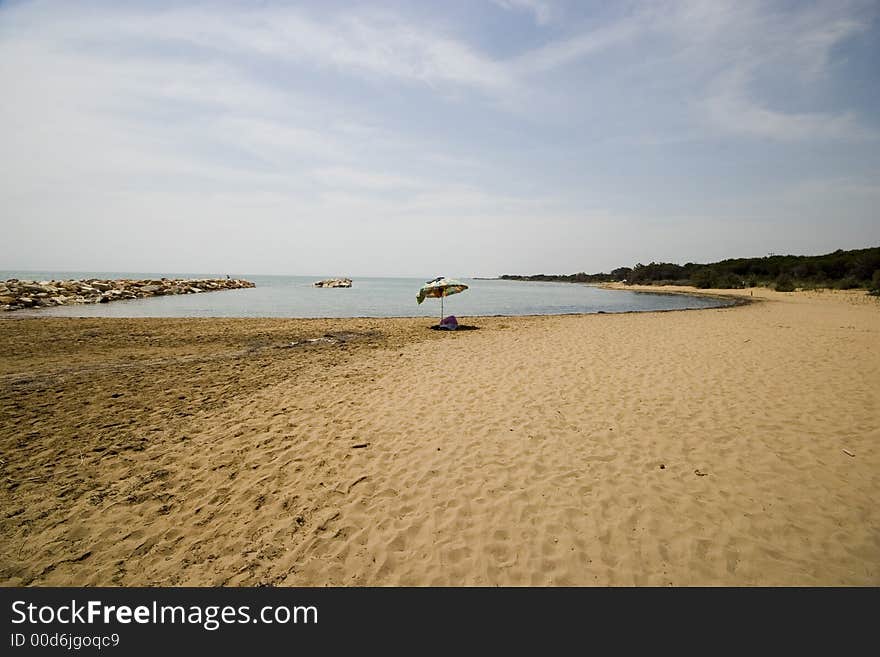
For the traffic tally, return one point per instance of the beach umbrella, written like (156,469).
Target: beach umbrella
(441,287)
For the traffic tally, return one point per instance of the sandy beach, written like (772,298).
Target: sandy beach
(733,446)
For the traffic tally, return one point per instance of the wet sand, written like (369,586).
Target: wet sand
(686,448)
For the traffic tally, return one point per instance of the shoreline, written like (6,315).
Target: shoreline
(728,299)
(733,298)
(641,448)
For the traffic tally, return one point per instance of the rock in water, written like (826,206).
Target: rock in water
(334,282)
(18,294)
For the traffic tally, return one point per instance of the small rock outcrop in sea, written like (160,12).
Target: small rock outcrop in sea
(16,294)
(334,282)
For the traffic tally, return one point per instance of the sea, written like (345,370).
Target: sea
(296,296)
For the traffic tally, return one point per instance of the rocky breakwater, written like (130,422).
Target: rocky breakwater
(334,282)
(16,294)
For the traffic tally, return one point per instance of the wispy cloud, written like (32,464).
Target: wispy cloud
(571,49)
(732,109)
(367,43)
(544,11)
(733,47)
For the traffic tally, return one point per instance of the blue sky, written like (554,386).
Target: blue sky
(461,138)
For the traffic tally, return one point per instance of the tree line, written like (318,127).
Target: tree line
(858,268)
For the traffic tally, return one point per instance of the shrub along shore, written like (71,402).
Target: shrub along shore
(16,294)
(844,270)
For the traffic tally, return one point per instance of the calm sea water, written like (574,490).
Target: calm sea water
(296,296)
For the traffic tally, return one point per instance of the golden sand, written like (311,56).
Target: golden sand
(734,446)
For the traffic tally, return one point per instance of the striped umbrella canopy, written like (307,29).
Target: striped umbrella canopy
(439,288)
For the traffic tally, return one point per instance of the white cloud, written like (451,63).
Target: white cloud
(733,47)
(730,108)
(569,50)
(543,10)
(367,43)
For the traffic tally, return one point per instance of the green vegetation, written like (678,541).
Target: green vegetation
(784,283)
(619,274)
(845,270)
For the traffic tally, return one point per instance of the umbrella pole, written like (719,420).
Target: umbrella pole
(441,308)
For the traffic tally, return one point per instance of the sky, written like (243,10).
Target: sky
(471,138)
